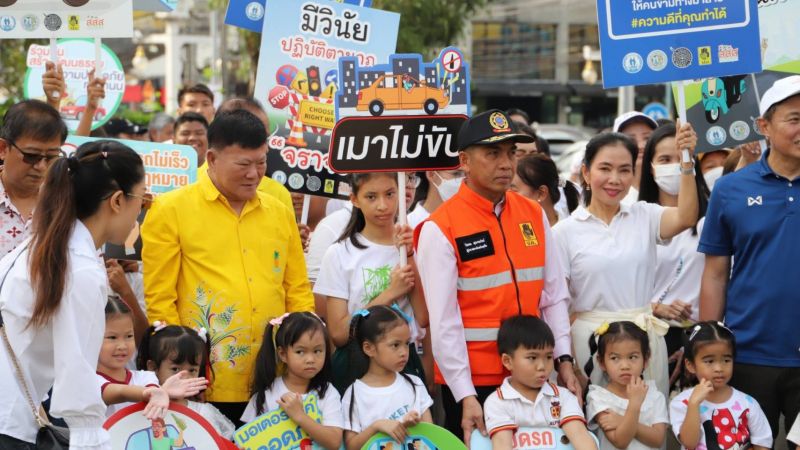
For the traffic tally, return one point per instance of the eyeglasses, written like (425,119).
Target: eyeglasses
(147,199)
(413,180)
(34,158)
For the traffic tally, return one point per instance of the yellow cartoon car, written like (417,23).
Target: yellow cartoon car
(400,92)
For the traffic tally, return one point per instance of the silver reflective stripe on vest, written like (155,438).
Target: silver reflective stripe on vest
(484,282)
(480,334)
(532,274)
(499,279)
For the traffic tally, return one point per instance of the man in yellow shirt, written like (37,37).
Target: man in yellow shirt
(221,255)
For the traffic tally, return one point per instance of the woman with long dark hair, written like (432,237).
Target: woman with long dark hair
(536,178)
(54,292)
(608,248)
(679,266)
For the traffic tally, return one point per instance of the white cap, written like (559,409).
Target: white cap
(633,116)
(780,91)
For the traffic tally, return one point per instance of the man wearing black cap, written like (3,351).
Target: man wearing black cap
(124,129)
(485,255)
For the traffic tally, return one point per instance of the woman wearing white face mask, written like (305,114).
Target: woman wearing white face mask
(537,179)
(679,266)
(435,188)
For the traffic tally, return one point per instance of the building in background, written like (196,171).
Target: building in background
(528,54)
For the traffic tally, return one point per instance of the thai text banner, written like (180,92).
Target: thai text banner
(656,41)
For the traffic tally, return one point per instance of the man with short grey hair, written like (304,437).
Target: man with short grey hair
(161,127)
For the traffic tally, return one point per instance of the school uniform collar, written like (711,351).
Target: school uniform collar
(508,392)
(583,214)
(127,380)
(483,204)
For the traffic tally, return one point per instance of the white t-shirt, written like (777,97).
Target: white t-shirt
(392,402)
(653,411)
(328,231)
(221,424)
(360,275)
(132,378)
(417,215)
(507,409)
(738,420)
(679,268)
(330,406)
(334,205)
(610,267)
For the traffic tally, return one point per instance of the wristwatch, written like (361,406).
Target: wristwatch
(565,358)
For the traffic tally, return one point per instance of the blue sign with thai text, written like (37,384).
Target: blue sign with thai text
(249,14)
(655,41)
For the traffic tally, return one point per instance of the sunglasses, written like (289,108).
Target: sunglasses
(34,158)
(147,199)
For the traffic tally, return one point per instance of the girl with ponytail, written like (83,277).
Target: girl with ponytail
(54,291)
(382,398)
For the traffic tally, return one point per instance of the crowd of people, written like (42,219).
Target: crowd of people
(655,294)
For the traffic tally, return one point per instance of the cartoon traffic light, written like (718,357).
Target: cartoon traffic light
(314,84)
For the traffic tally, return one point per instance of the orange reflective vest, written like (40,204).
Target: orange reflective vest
(500,270)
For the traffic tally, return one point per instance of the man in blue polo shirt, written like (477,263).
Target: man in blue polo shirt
(754,217)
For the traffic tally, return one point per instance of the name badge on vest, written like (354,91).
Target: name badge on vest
(475,246)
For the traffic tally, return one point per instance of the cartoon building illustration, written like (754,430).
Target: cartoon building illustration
(405,85)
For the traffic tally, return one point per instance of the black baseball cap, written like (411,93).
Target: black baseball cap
(116,126)
(489,127)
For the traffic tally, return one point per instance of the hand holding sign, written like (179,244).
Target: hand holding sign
(95,90)
(53,83)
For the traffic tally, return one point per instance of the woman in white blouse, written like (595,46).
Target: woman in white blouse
(55,290)
(609,249)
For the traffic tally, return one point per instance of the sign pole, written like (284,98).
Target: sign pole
(98,58)
(685,156)
(401,213)
(54,58)
(763,142)
(304,214)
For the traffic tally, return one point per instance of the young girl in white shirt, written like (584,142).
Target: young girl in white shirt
(382,399)
(713,415)
(608,249)
(629,412)
(121,387)
(166,350)
(363,268)
(292,365)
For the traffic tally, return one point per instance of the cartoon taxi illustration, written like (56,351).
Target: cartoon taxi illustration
(400,92)
(720,94)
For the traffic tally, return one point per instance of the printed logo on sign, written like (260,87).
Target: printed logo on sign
(74,23)
(739,130)
(681,57)
(632,62)
(657,60)
(499,123)
(755,201)
(279,176)
(727,53)
(52,22)
(94,22)
(254,11)
(329,186)
(704,56)
(716,135)
(8,23)
(296,181)
(30,22)
(314,183)
(528,234)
